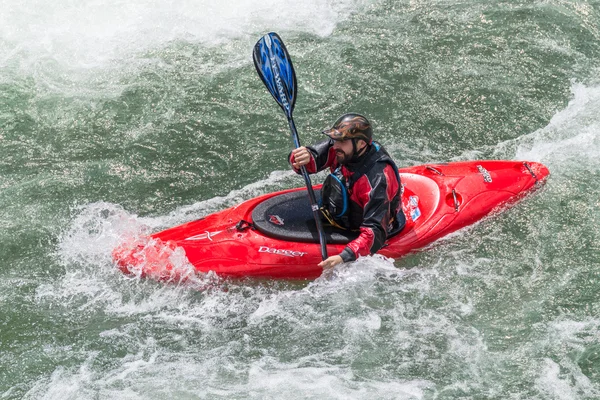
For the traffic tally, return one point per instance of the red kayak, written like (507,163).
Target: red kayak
(274,235)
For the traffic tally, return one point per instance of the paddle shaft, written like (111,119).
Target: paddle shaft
(275,68)
(311,193)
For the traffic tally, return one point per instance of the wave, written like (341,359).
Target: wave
(90,34)
(572,134)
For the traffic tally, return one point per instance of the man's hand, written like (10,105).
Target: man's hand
(331,262)
(301,157)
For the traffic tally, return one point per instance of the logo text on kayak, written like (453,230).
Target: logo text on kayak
(280,252)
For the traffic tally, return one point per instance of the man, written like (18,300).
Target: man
(363,169)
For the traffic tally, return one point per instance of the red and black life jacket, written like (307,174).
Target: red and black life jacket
(337,206)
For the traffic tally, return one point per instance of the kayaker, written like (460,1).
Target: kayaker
(363,190)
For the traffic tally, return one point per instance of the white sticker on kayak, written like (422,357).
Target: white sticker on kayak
(413,204)
(413,201)
(204,236)
(415,214)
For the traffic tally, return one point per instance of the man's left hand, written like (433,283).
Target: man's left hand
(331,262)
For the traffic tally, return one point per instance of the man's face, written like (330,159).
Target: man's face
(344,150)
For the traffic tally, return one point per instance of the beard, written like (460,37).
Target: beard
(342,158)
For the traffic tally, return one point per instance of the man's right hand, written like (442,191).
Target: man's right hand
(300,157)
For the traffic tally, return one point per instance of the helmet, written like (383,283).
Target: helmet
(351,126)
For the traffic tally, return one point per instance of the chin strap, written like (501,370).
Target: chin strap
(355,155)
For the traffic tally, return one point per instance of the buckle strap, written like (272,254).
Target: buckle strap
(244,225)
(530,171)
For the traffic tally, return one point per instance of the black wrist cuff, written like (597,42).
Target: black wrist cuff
(347,255)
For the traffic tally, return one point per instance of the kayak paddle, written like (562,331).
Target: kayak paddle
(274,66)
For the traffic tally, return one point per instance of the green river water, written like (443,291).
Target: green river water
(125,117)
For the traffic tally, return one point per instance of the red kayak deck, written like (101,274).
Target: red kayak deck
(438,199)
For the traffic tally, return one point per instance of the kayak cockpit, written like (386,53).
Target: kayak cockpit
(289,217)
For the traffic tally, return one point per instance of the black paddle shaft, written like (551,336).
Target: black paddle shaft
(311,195)
(274,66)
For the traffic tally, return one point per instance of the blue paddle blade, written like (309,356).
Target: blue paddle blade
(274,67)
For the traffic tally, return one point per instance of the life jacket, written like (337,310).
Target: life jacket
(336,207)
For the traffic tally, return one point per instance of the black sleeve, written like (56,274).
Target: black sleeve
(377,212)
(323,156)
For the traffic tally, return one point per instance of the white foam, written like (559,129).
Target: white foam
(564,381)
(146,376)
(94,33)
(98,228)
(181,342)
(294,381)
(221,368)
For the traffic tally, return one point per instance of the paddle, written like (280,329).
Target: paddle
(274,67)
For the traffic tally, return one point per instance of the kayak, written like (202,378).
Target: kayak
(275,236)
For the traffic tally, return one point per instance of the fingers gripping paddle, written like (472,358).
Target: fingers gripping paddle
(274,67)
